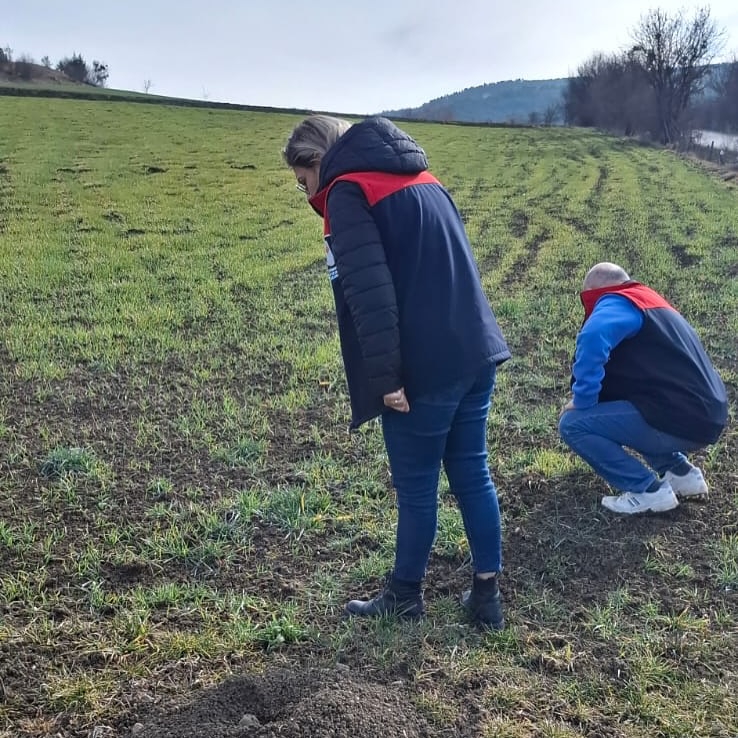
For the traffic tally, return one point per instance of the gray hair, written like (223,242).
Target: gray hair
(605,274)
(310,140)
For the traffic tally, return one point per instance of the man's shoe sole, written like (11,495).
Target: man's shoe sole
(692,495)
(644,510)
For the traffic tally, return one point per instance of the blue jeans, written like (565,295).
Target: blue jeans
(446,427)
(599,434)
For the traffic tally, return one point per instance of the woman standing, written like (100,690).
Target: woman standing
(419,341)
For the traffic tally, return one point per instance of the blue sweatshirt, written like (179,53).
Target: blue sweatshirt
(613,319)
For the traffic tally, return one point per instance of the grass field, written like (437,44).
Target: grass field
(181,503)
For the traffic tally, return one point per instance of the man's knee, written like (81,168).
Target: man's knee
(567,425)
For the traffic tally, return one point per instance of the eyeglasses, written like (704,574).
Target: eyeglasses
(302,186)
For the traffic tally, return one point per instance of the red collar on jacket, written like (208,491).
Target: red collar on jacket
(641,296)
(375,186)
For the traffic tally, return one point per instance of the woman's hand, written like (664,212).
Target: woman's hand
(397,401)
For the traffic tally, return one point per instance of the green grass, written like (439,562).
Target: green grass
(178,490)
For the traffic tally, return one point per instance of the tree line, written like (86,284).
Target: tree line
(75,67)
(664,85)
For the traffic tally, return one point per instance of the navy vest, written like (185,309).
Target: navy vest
(663,370)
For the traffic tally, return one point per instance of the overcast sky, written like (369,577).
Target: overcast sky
(347,57)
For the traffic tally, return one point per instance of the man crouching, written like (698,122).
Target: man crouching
(640,379)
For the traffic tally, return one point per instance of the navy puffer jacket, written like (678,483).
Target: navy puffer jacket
(410,306)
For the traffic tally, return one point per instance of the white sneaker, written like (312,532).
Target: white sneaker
(632,503)
(692,484)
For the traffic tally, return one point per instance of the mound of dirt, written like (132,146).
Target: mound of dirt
(292,704)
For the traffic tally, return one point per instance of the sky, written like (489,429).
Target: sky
(329,55)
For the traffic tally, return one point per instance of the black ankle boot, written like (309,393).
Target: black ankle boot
(483,603)
(397,597)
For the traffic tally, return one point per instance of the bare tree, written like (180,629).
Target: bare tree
(725,86)
(551,114)
(610,92)
(674,53)
(98,75)
(147,85)
(46,62)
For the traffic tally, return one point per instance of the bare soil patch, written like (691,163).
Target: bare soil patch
(283,703)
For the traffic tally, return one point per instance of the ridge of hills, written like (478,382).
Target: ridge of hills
(510,101)
(502,102)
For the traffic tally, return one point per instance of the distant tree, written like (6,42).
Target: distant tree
(534,118)
(610,92)
(99,74)
(578,103)
(725,86)
(6,55)
(46,62)
(551,114)
(147,85)
(674,53)
(77,69)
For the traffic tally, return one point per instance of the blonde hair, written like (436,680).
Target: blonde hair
(311,139)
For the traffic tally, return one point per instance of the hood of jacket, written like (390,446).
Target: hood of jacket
(374,145)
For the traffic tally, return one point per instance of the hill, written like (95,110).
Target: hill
(35,80)
(25,72)
(499,102)
(512,101)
